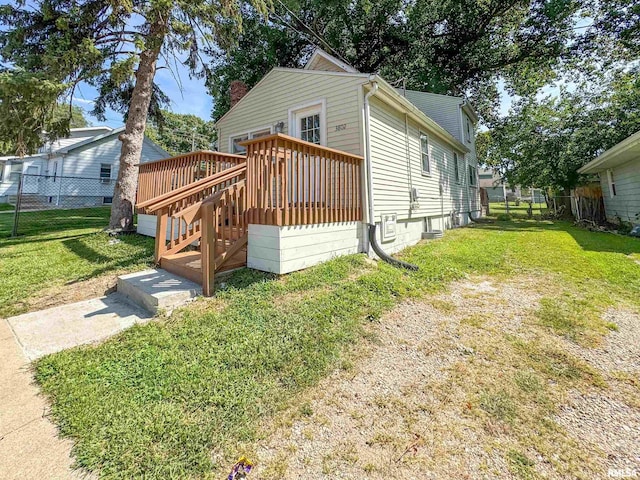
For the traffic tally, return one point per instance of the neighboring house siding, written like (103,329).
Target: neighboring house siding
(626,203)
(394,176)
(86,161)
(269,102)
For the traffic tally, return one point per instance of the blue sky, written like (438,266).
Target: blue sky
(189,97)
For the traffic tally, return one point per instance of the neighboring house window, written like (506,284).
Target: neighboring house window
(612,183)
(308,123)
(472,175)
(424,152)
(14,171)
(107,200)
(456,167)
(236,139)
(105,172)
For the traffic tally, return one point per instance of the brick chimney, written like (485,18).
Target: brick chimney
(238,90)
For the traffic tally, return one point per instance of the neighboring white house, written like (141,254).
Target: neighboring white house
(619,172)
(79,170)
(419,154)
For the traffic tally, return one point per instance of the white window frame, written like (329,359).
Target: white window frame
(249,134)
(473,169)
(612,183)
(305,110)
(427,172)
(456,167)
(106,179)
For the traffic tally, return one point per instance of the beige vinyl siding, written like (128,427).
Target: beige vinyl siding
(392,172)
(444,109)
(269,102)
(626,203)
(325,65)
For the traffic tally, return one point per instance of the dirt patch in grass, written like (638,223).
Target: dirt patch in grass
(464,384)
(69,293)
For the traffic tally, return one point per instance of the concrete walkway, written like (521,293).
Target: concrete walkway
(29,444)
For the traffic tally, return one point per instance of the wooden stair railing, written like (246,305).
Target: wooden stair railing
(179,212)
(225,230)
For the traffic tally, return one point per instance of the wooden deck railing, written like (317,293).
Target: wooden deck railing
(292,182)
(162,176)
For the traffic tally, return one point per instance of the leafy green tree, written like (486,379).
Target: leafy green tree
(435,45)
(179,133)
(115,45)
(28,114)
(543,143)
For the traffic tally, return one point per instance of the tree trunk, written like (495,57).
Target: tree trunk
(124,195)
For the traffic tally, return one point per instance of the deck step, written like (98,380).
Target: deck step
(189,264)
(157,289)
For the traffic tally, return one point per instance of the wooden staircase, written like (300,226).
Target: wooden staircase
(202,226)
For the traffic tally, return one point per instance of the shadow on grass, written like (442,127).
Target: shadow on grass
(588,240)
(48,222)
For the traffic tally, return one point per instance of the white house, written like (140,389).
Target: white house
(420,148)
(329,152)
(79,170)
(619,171)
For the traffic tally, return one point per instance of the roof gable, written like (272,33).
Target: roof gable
(321,60)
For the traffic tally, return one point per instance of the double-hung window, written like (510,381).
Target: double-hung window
(424,153)
(235,140)
(456,167)
(612,183)
(472,175)
(105,172)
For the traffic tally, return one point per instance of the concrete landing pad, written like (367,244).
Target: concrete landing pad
(66,326)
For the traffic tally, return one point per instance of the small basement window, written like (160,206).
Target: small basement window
(107,200)
(424,153)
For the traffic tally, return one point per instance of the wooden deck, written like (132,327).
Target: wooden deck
(189,264)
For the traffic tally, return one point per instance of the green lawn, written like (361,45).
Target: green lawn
(519,211)
(6,207)
(59,247)
(156,400)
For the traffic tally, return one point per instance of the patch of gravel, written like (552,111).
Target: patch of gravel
(620,350)
(607,423)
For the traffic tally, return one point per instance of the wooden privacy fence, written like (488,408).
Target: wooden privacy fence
(163,176)
(293,182)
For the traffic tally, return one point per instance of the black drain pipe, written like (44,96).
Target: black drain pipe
(373,240)
(470,217)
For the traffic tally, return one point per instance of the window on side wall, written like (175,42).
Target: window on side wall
(234,141)
(469,131)
(105,172)
(472,175)
(424,153)
(456,167)
(612,183)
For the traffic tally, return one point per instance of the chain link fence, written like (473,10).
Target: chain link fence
(34,197)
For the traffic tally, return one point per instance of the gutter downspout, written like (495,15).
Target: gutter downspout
(373,241)
(61,179)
